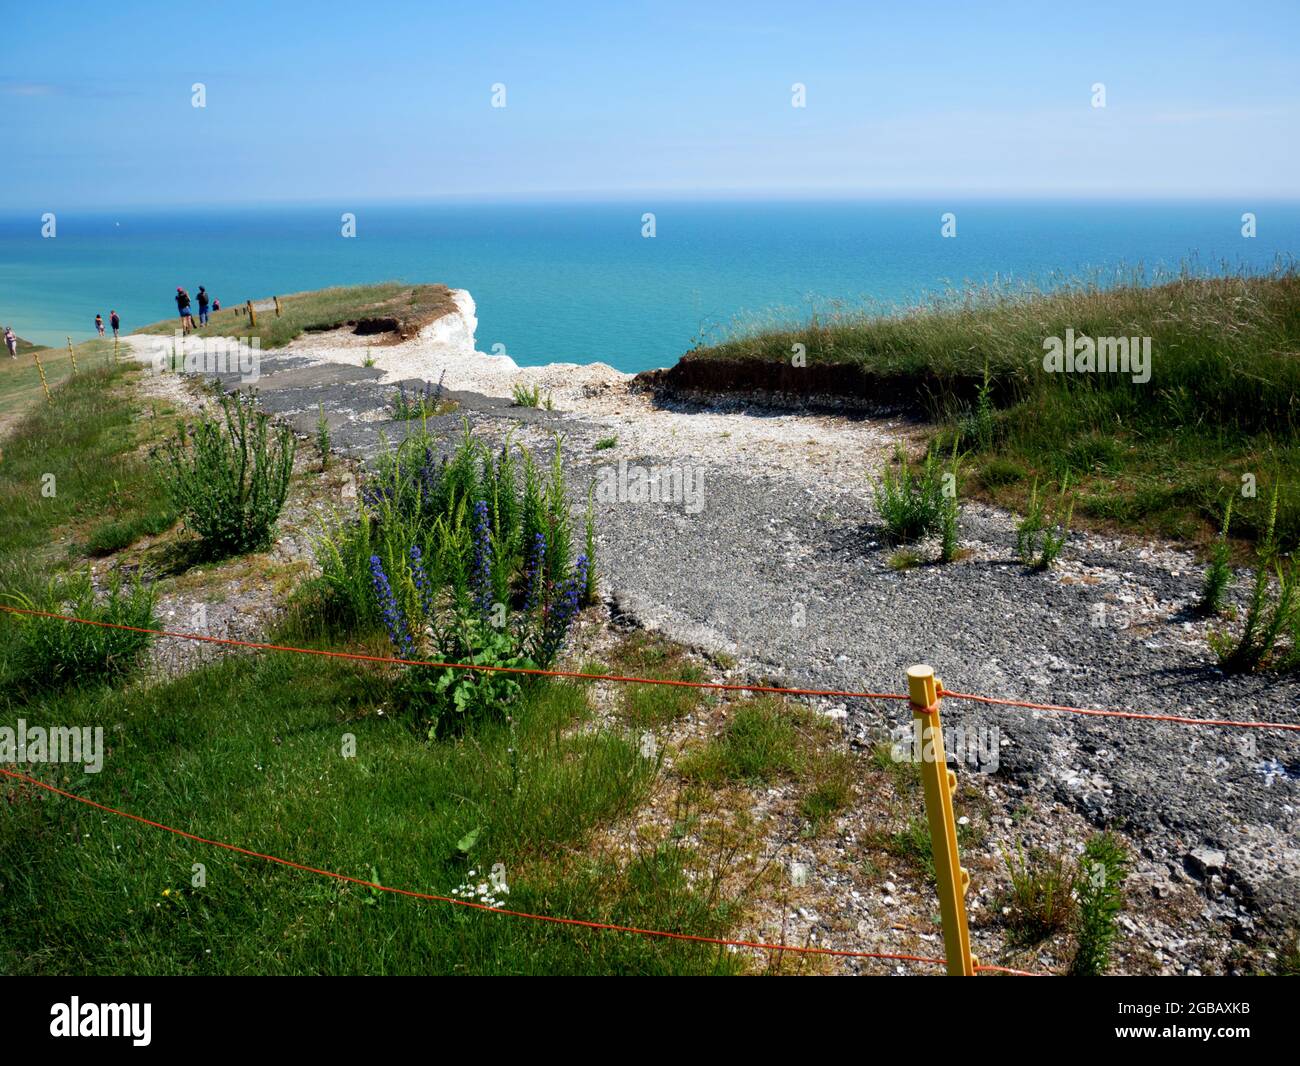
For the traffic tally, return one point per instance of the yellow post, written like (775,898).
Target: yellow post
(252,315)
(115,347)
(277,307)
(73,354)
(41,370)
(940,782)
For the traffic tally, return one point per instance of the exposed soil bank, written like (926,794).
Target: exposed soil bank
(770,383)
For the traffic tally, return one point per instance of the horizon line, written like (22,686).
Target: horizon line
(681,196)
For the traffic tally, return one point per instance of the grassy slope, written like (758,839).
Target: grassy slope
(89,440)
(249,750)
(410,306)
(1157,457)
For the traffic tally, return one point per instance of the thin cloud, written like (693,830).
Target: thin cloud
(27,88)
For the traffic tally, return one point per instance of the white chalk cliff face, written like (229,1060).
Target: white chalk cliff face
(452,336)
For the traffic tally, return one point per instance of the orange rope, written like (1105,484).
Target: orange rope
(1180,719)
(358,657)
(712,685)
(607,926)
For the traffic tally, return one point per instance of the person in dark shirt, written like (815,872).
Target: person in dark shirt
(114,321)
(203,306)
(183,306)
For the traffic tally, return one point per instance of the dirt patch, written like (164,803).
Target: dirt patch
(834,386)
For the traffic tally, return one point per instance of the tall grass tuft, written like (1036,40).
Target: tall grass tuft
(323,437)
(48,653)
(1041,899)
(527,397)
(910,498)
(1040,536)
(229,476)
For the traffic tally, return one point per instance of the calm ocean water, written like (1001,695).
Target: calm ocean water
(578,282)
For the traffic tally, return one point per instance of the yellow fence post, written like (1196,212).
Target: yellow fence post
(41,370)
(940,783)
(252,314)
(73,354)
(277,307)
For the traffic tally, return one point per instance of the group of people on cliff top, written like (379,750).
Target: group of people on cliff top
(205,303)
(187,316)
(114,322)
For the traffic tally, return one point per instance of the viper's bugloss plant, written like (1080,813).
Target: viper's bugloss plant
(481,571)
(394,621)
(461,558)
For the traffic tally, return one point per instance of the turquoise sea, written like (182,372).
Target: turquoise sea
(576,282)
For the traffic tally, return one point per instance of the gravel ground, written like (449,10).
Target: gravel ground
(782,569)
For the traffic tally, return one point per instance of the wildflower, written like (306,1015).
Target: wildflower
(392,614)
(421,581)
(533,571)
(562,611)
(481,574)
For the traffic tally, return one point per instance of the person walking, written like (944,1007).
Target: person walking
(99,324)
(115,322)
(183,306)
(203,306)
(11,342)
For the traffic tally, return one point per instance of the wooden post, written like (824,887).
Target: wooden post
(73,355)
(252,314)
(277,307)
(41,370)
(940,783)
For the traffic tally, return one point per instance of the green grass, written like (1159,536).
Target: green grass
(830,790)
(104,490)
(1155,457)
(249,751)
(759,744)
(1041,900)
(389,304)
(20,381)
(912,843)
(642,654)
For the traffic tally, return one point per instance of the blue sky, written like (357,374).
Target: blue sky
(352,103)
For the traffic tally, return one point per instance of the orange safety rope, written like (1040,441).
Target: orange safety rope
(607,926)
(712,685)
(358,657)
(1179,719)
